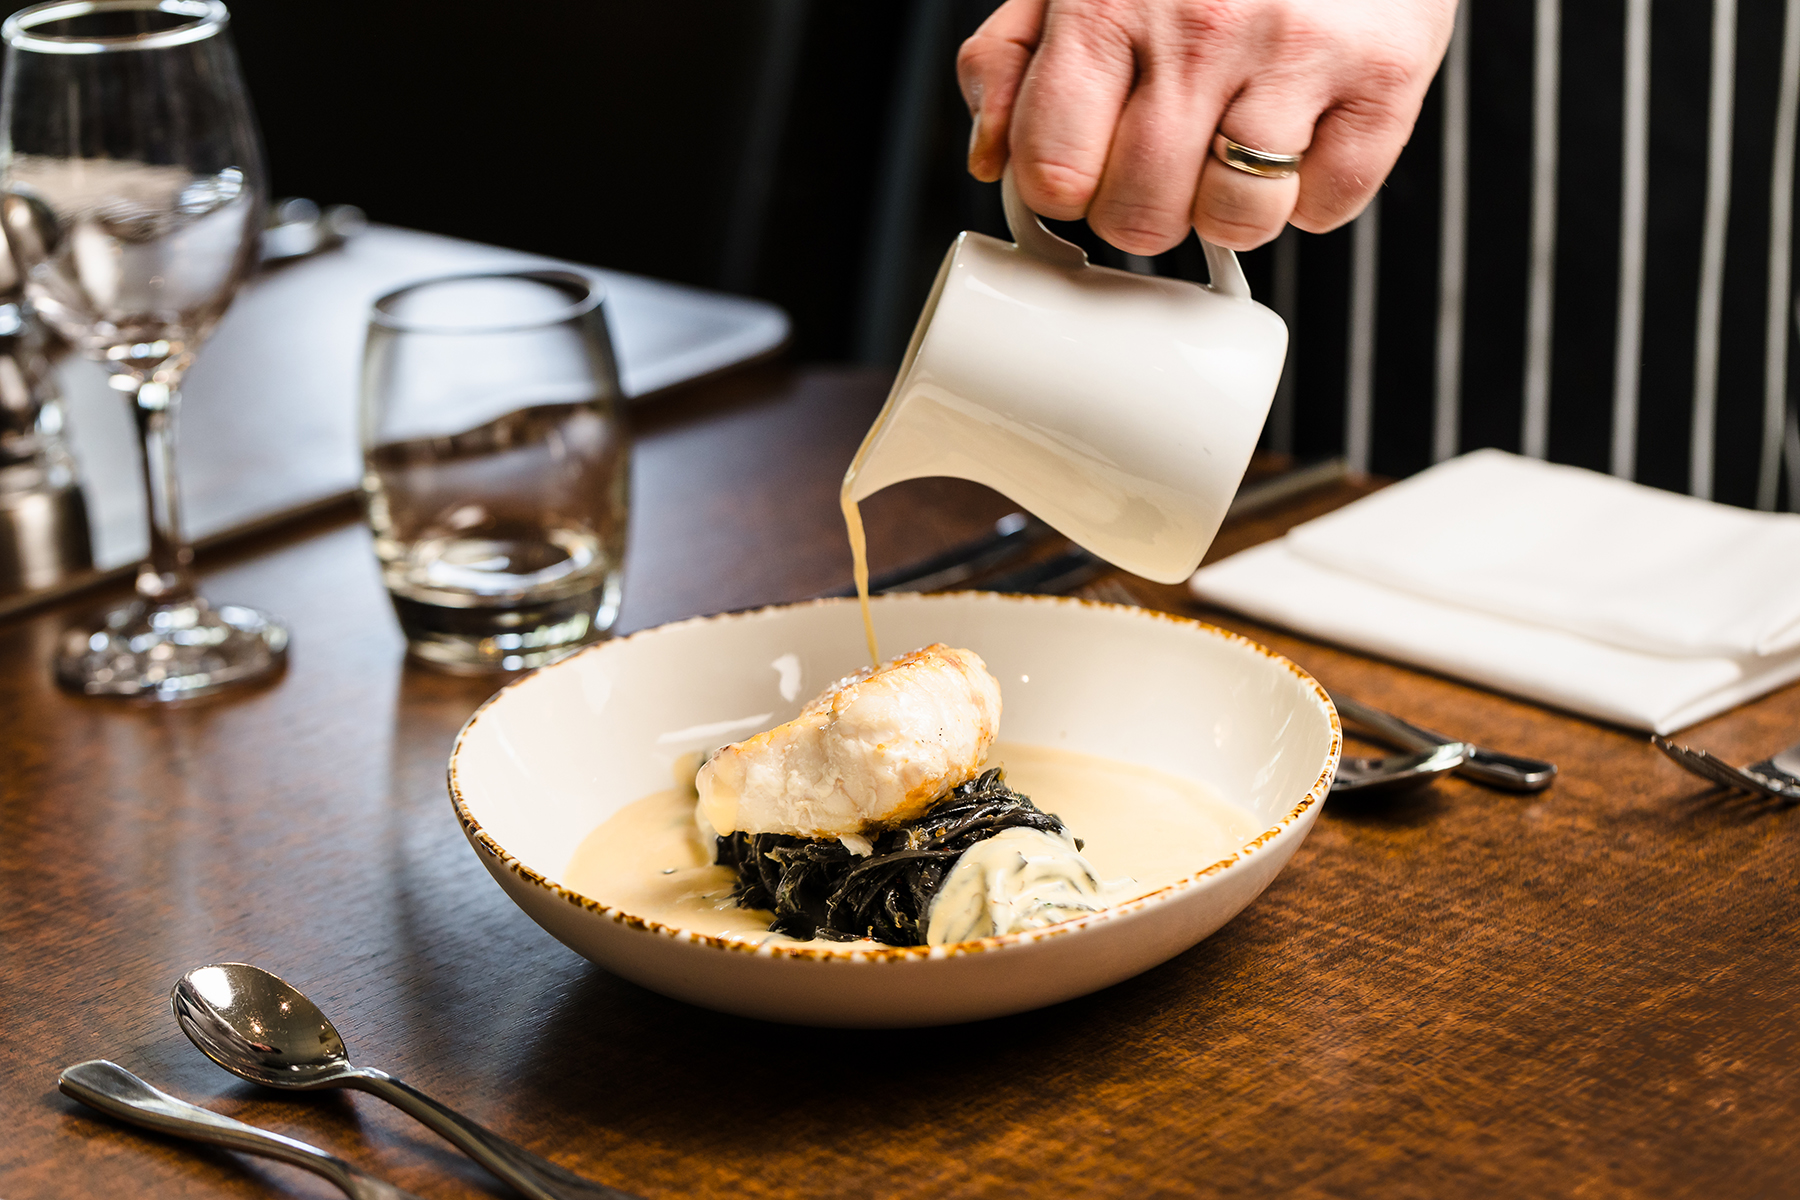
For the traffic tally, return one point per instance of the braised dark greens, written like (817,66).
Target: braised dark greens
(818,889)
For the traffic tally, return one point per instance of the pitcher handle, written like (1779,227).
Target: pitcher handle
(1028,230)
(1226,275)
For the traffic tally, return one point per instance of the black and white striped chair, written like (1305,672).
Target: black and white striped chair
(1585,254)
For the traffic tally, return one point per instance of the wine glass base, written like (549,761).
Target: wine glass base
(171,652)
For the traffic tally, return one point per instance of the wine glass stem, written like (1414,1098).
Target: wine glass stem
(163,577)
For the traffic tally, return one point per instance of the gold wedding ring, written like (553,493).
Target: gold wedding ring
(1255,162)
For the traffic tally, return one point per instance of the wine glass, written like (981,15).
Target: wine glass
(132,195)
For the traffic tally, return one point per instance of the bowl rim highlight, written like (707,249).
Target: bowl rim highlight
(843,952)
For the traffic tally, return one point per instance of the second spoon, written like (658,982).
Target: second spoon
(261,1028)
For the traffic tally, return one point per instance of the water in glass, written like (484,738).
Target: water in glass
(495,468)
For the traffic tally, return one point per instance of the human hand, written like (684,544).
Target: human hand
(1107,109)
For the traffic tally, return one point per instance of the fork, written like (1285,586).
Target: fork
(1777,776)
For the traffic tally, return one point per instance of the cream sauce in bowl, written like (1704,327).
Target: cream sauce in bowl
(1141,828)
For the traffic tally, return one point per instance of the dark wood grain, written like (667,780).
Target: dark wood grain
(1590,992)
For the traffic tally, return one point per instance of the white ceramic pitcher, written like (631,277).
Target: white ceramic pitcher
(1121,409)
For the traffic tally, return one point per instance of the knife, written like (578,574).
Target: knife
(1013,535)
(1018,533)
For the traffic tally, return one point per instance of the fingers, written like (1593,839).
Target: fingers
(989,67)
(1071,100)
(1360,134)
(1115,118)
(1146,193)
(1241,211)
(1107,109)
(1354,147)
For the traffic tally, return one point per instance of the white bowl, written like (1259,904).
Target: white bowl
(547,759)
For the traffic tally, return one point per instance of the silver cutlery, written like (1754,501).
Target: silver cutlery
(1367,776)
(298,228)
(1051,576)
(1076,567)
(1017,533)
(1777,776)
(1012,535)
(1511,772)
(116,1092)
(1363,776)
(260,1028)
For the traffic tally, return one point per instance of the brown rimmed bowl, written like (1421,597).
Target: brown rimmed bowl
(552,756)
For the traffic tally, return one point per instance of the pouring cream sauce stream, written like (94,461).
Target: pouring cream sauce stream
(859,561)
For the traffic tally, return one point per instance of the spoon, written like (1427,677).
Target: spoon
(118,1093)
(298,228)
(259,1027)
(1366,776)
(1511,772)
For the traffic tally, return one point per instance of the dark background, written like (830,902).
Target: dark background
(811,152)
(807,153)
(738,144)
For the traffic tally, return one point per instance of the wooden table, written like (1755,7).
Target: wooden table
(1587,992)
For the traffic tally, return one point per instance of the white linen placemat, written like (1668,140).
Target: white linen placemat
(1496,569)
(1576,550)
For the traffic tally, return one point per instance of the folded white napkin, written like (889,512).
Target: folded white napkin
(1565,586)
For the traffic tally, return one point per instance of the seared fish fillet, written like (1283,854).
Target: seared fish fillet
(875,747)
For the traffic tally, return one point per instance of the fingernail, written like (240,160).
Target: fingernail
(974,131)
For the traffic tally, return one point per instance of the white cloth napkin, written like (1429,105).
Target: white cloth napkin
(1565,586)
